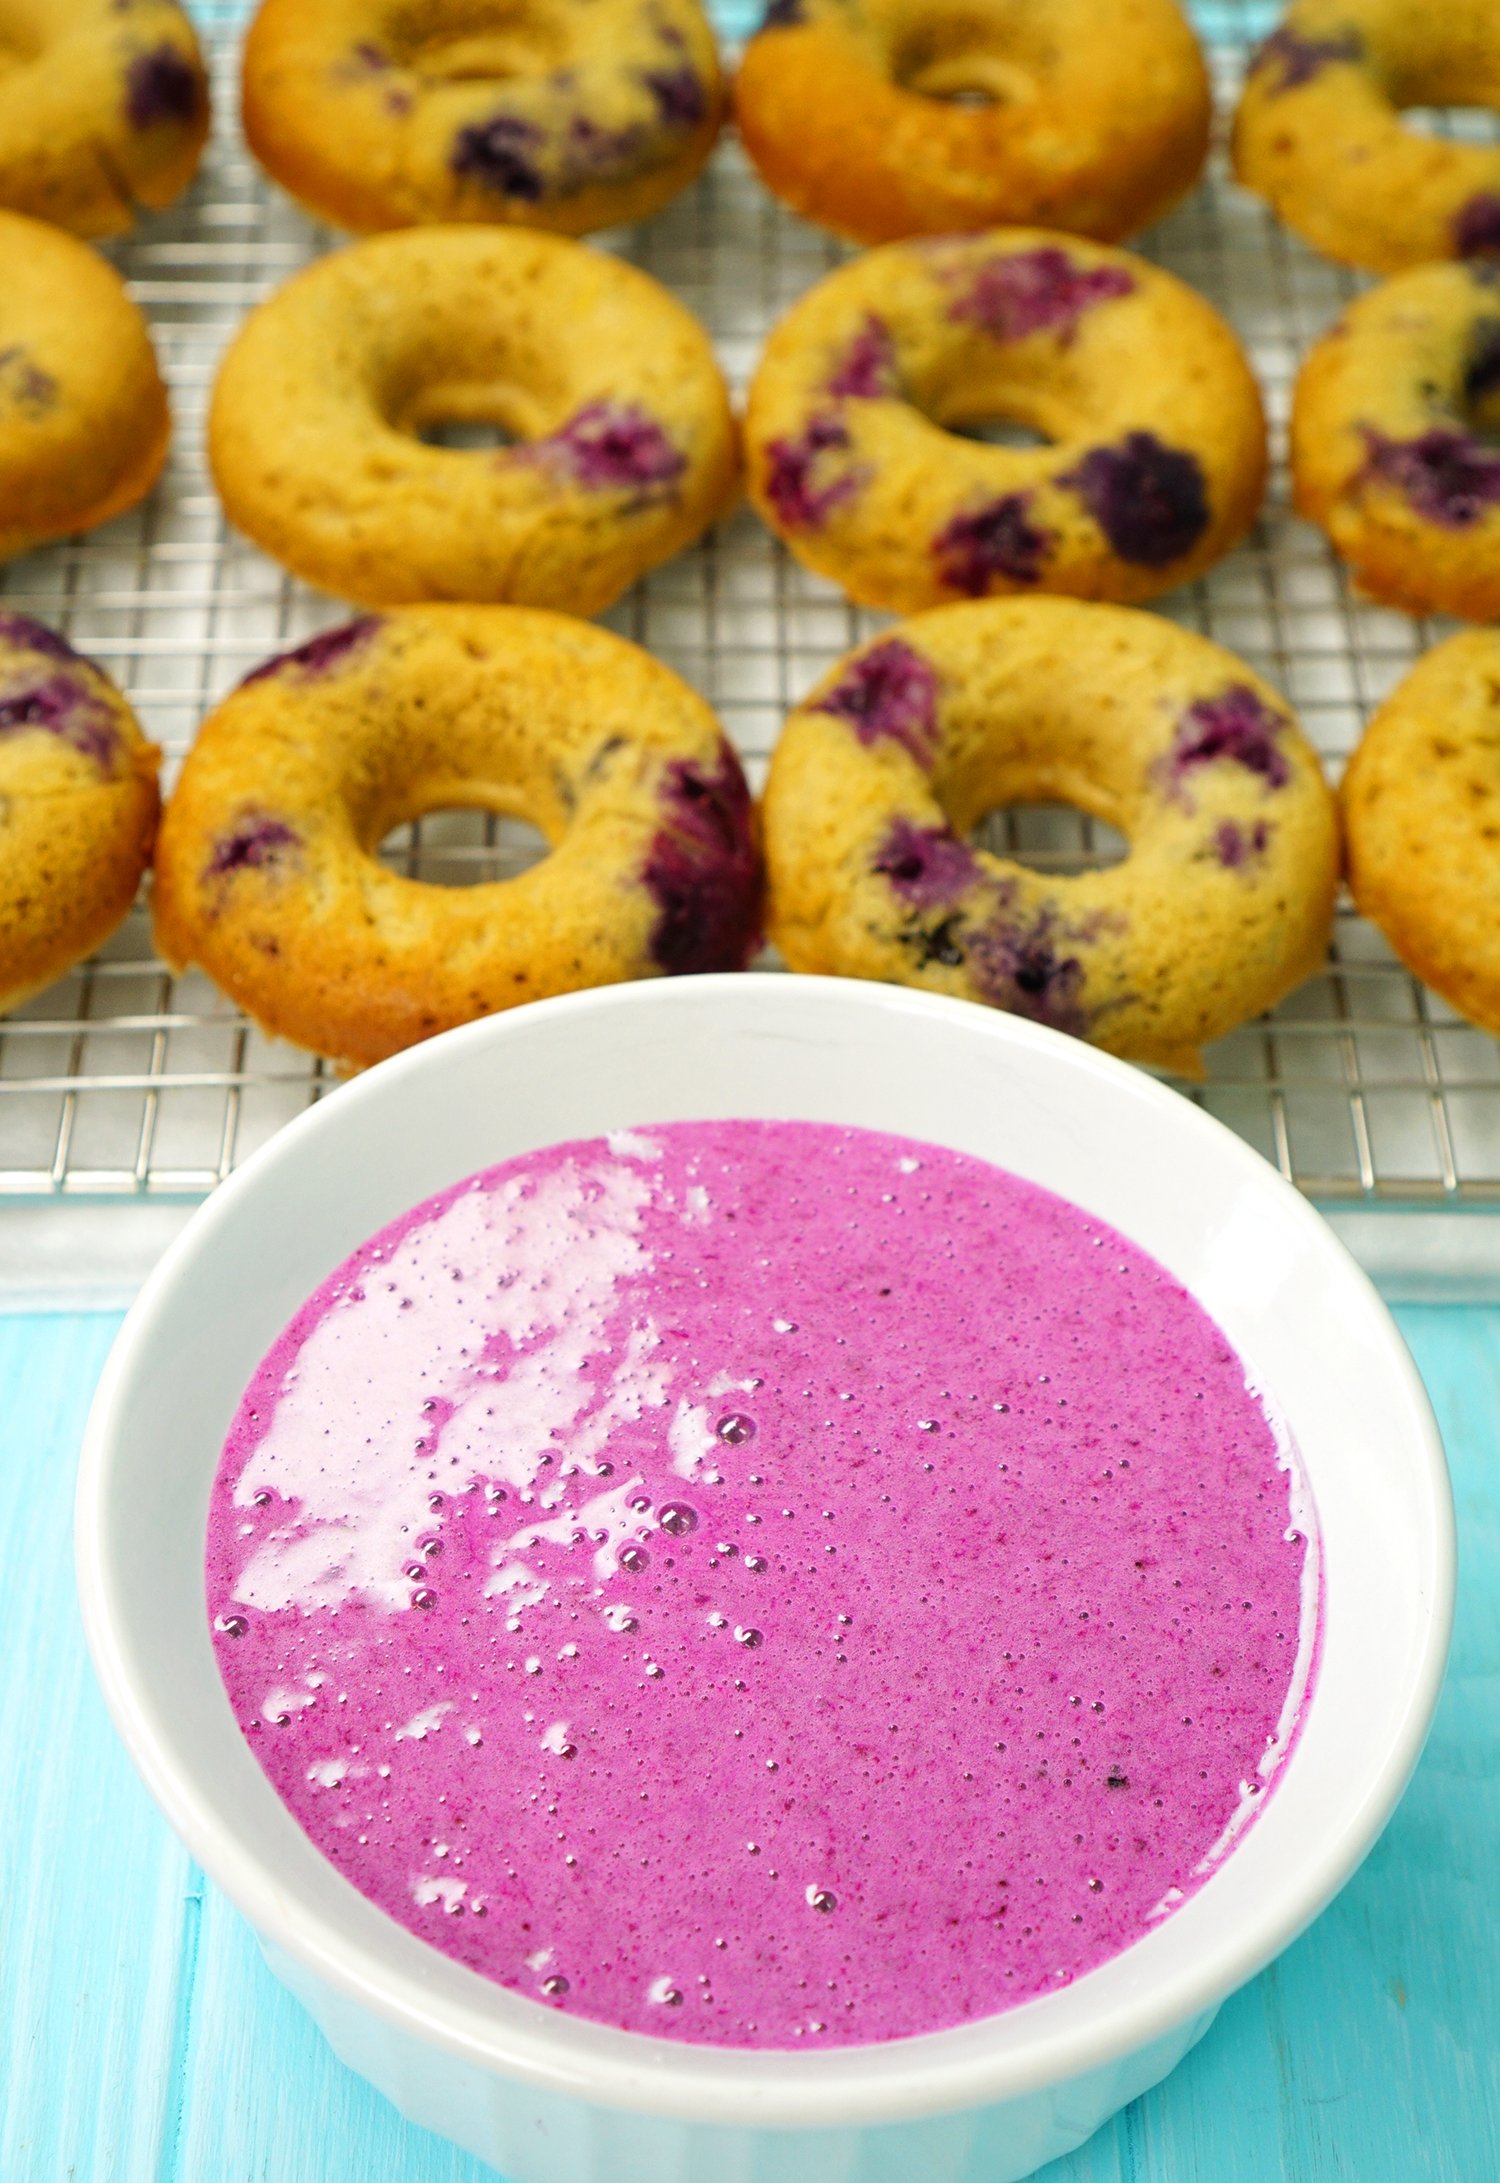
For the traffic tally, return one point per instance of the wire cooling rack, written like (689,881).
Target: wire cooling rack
(122,1080)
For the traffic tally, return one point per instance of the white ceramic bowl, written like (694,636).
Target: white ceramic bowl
(549,2099)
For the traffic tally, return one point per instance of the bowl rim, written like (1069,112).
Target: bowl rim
(772,2088)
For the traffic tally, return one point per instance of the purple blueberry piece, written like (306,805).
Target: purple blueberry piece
(29,636)
(995,540)
(162,86)
(1482,375)
(64,706)
(499,155)
(320,654)
(799,504)
(369,56)
(703,870)
(928,866)
(888,694)
(1446,475)
(609,446)
(681,100)
(25,381)
(1027,969)
(257,843)
(1298,60)
(1476,231)
(783,15)
(591,151)
(1237,725)
(1036,291)
(1149,500)
(1235,846)
(868,370)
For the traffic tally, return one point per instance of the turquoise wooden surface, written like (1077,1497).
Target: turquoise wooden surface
(143,2041)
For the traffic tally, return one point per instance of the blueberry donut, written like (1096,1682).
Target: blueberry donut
(1156,448)
(1387,452)
(578,115)
(625,446)
(266,872)
(1222,904)
(886,118)
(1421,803)
(1319,131)
(103,109)
(78,805)
(84,423)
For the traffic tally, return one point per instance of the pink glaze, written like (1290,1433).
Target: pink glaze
(762,1582)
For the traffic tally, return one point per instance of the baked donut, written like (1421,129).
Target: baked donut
(1319,131)
(886,118)
(1385,448)
(78,804)
(1222,904)
(577,115)
(1157,453)
(84,423)
(626,446)
(103,109)
(266,872)
(1421,802)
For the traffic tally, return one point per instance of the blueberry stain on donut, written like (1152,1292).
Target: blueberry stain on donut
(1235,846)
(940,943)
(162,87)
(1298,60)
(63,705)
(928,866)
(1029,969)
(703,870)
(1034,291)
(366,61)
(590,153)
(681,100)
(1150,500)
(612,446)
(23,382)
(26,635)
(256,843)
(868,370)
(500,155)
(322,654)
(1446,475)
(1236,726)
(1476,231)
(800,501)
(888,694)
(996,541)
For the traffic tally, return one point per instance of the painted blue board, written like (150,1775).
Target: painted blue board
(143,2041)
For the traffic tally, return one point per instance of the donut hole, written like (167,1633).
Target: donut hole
(952,58)
(476,41)
(998,431)
(457,846)
(1053,837)
(473,418)
(466,435)
(1453,124)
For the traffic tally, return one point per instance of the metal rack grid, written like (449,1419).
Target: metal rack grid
(122,1080)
